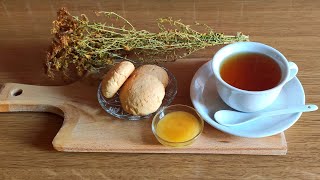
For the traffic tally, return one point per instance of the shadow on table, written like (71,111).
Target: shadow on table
(48,130)
(24,62)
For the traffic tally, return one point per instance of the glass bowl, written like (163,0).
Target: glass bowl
(113,105)
(173,108)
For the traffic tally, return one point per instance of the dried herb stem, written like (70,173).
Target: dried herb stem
(91,46)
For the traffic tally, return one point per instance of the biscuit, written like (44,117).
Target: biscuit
(115,78)
(141,94)
(154,70)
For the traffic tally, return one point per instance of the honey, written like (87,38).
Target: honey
(178,126)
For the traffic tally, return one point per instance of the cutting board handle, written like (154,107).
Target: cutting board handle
(20,97)
(59,100)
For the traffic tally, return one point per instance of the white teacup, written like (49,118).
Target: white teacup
(250,101)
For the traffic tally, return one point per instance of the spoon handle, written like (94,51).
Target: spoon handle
(293,109)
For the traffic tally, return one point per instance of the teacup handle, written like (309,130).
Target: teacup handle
(293,68)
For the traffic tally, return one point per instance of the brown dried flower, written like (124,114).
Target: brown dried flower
(90,46)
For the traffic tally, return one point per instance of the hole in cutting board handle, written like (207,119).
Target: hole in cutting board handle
(16,92)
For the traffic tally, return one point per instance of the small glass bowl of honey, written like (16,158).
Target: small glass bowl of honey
(177,125)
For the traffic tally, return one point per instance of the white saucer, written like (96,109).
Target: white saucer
(206,101)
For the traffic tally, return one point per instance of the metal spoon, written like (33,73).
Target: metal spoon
(234,118)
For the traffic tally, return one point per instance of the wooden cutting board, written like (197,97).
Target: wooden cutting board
(87,128)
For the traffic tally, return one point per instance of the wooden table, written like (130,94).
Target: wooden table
(293,27)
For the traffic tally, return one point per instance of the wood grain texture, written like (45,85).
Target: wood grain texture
(291,26)
(87,128)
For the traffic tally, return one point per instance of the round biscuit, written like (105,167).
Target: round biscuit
(115,78)
(141,94)
(154,70)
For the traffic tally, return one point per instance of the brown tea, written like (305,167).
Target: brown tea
(251,71)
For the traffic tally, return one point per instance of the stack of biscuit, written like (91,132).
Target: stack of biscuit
(142,90)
